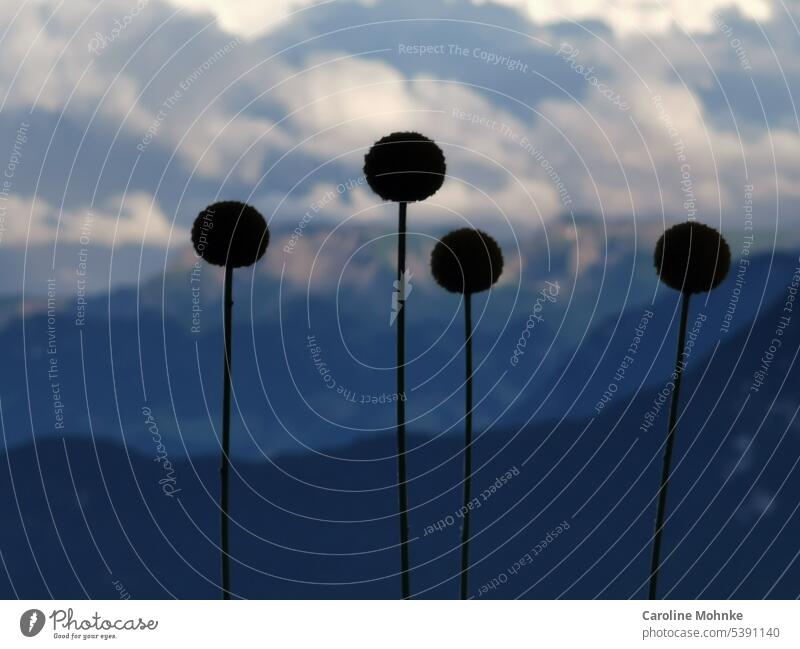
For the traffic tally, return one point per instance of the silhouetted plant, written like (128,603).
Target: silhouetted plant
(229,234)
(403,167)
(691,258)
(467,261)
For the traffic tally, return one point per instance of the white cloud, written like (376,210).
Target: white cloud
(330,102)
(247,18)
(624,16)
(639,16)
(136,219)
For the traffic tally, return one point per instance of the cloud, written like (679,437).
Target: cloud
(640,16)
(282,119)
(628,16)
(248,18)
(133,219)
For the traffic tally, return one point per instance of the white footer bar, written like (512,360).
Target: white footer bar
(400,625)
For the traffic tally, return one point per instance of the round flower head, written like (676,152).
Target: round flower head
(466,261)
(230,233)
(692,257)
(405,167)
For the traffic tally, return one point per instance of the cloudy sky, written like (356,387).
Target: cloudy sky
(131,115)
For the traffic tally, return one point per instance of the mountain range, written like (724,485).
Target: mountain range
(314,499)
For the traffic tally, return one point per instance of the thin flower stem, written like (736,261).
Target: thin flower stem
(226,434)
(467,448)
(655,564)
(401,404)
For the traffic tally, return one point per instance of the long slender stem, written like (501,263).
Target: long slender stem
(226,434)
(467,449)
(655,564)
(401,403)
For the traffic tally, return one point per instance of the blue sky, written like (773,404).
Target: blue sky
(138,113)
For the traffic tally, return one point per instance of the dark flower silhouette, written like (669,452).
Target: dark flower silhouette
(691,258)
(467,261)
(403,167)
(229,234)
